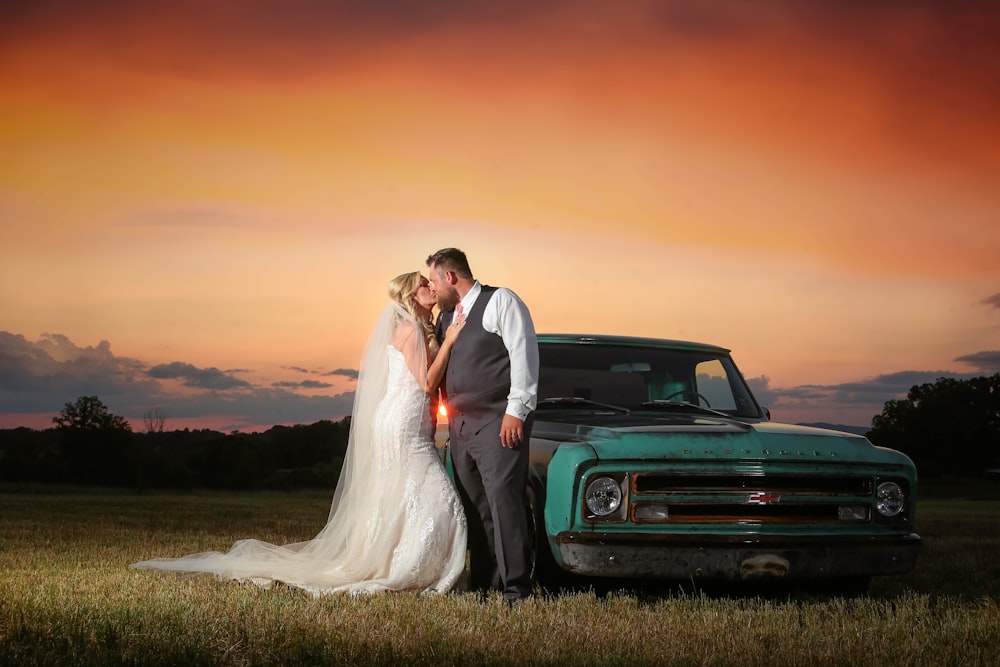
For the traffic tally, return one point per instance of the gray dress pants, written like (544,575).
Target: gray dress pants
(491,481)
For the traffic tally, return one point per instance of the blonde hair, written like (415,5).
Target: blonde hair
(403,290)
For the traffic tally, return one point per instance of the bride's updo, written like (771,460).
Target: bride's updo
(403,290)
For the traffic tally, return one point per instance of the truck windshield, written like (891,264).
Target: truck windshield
(630,376)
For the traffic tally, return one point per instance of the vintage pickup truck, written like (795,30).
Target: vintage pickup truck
(652,459)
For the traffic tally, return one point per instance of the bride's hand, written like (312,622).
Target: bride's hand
(454,329)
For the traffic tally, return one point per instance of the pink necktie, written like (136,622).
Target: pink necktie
(458,310)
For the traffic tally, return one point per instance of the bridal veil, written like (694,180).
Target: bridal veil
(395,521)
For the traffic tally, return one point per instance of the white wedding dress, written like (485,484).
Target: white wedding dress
(397,523)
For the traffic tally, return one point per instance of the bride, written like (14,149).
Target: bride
(396,522)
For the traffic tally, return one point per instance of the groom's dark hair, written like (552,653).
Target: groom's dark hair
(451,259)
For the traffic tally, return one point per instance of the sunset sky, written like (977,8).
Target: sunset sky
(201,202)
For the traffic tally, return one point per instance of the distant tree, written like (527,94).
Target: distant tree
(90,414)
(97,445)
(948,426)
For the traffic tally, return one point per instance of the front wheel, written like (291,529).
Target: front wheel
(544,570)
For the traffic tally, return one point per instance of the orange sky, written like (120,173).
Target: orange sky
(228,186)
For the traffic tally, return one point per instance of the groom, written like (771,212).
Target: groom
(491,387)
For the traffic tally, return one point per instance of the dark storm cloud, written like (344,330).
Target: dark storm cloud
(201,378)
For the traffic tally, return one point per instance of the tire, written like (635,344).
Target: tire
(544,571)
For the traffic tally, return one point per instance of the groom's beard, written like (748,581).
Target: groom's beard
(447,301)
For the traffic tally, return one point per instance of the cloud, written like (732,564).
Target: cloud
(849,404)
(993,300)
(304,384)
(260,408)
(349,373)
(314,384)
(39,377)
(857,401)
(201,378)
(987,360)
(760,386)
(346,372)
(44,374)
(878,389)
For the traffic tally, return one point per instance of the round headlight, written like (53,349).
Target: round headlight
(889,499)
(604,496)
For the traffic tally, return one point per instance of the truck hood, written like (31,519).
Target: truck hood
(705,437)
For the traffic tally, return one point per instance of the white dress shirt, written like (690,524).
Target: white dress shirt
(507,316)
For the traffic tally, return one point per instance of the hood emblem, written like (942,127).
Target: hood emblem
(763,498)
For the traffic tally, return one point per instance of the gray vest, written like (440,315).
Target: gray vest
(477,381)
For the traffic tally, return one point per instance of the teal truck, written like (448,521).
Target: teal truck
(652,459)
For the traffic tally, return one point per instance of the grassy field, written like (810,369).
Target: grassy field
(68,597)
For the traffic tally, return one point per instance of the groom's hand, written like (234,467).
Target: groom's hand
(511,431)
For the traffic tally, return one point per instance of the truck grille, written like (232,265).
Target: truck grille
(750,499)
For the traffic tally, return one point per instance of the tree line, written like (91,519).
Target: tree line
(948,427)
(90,445)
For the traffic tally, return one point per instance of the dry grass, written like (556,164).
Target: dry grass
(68,597)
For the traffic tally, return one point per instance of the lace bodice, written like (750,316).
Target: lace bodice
(405,409)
